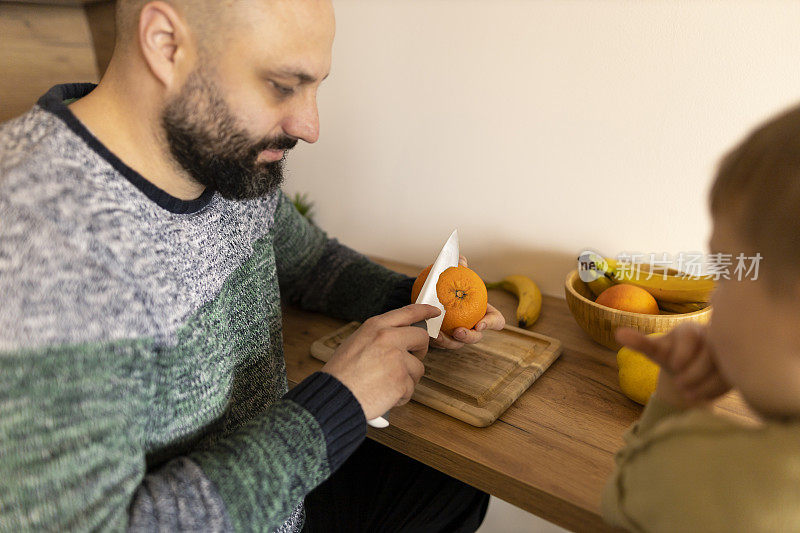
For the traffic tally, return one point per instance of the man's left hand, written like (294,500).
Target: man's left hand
(493,319)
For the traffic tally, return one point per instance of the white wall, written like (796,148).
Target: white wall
(538,127)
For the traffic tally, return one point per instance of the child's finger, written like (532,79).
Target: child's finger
(686,344)
(695,374)
(656,348)
(712,387)
(696,371)
(714,383)
(462,261)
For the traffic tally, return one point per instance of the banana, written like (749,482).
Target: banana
(689,307)
(529,295)
(599,267)
(600,284)
(679,294)
(670,288)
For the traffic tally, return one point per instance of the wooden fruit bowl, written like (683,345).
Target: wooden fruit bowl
(600,322)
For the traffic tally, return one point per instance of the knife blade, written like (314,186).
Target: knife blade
(448,257)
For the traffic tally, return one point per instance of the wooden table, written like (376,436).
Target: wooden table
(550,453)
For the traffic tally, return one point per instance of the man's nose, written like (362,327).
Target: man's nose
(303,121)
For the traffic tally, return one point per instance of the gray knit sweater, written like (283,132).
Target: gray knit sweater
(142,377)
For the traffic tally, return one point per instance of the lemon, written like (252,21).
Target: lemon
(638,375)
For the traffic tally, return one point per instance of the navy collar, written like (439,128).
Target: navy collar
(53,102)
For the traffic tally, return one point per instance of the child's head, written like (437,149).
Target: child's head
(755,327)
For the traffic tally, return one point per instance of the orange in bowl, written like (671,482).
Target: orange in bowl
(600,322)
(630,298)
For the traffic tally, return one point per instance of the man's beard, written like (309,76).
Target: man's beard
(205,140)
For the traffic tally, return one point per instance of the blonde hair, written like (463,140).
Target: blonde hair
(757,189)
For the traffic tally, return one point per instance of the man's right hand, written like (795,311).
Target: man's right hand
(380,362)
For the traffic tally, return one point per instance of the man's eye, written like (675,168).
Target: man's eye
(283,90)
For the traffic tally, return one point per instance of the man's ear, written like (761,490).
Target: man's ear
(165,42)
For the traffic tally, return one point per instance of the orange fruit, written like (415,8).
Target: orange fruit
(627,297)
(462,294)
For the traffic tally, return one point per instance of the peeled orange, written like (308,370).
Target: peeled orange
(462,293)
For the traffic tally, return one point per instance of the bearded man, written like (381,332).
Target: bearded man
(145,250)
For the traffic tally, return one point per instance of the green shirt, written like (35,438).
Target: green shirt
(142,375)
(697,471)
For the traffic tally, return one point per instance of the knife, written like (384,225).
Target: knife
(447,258)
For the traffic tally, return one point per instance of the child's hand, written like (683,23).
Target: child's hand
(689,375)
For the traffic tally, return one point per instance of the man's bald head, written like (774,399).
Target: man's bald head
(207,19)
(233,82)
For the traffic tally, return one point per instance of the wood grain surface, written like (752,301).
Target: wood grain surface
(477,382)
(46,43)
(601,322)
(549,453)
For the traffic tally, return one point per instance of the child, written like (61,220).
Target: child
(684,468)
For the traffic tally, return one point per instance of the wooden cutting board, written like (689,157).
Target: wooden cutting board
(477,382)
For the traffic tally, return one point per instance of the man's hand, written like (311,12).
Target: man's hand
(380,362)
(493,319)
(689,376)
